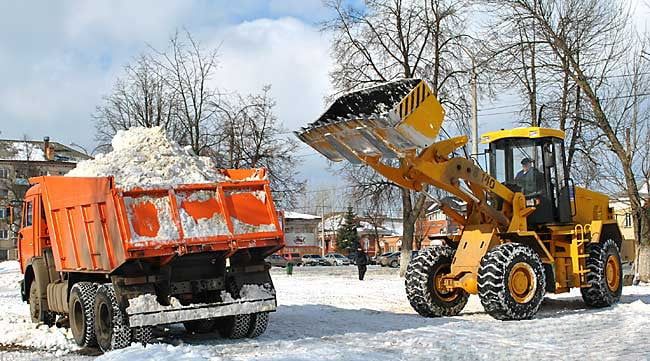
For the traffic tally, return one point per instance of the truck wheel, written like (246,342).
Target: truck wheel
(200,326)
(234,327)
(111,326)
(142,335)
(36,307)
(259,322)
(511,282)
(82,313)
(422,284)
(605,275)
(394,264)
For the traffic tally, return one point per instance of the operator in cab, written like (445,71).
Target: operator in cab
(530,179)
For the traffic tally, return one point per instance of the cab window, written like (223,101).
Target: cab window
(29,213)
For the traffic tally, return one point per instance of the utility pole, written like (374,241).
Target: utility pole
(322,228)
(474,124)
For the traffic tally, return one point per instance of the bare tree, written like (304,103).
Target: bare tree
(252,137)
(172,88)
(606,40)
(391,39)
(140,97)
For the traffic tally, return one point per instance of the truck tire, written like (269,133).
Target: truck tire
(111,326)
(37,308)
(234,327)
(605,275)
(81,306)
(394,264)
(142,335)
(420,280)
(259,322)
(200,326)
(511,282)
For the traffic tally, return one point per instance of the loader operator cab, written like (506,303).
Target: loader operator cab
(531,161)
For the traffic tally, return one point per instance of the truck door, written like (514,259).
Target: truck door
(27,237)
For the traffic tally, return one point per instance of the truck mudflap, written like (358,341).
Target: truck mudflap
(145,310)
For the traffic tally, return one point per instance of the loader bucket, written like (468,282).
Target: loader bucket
(387,120)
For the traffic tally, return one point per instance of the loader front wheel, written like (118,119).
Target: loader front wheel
(423,289)
(511,282)
(111,326)
(605,276)
(82,313)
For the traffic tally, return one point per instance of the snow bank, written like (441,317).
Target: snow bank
(147,158)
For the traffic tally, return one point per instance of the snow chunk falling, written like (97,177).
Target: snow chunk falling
(147,158)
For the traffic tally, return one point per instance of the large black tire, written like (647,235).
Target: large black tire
(111,325)
(142,335)
(421,291)
(605,275)
(200,326)
(234,327)
(511,282)
(37,307)
(81,306)
(259,322)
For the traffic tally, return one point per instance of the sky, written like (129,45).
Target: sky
(58,58)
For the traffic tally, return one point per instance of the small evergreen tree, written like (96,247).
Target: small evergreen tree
(347,236)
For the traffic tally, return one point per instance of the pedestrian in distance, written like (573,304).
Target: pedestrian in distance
(362,262)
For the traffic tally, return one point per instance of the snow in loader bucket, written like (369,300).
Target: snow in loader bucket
(386,120)
(145,310)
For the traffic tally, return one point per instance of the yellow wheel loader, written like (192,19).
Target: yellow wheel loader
(527,230)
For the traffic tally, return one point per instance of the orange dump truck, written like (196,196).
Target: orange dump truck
(112,263)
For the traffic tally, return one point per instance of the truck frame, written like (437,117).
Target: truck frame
(112,263)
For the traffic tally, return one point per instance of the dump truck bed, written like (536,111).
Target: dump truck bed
(93,226)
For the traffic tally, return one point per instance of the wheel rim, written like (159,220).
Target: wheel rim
(34,304)
(612,270)
(442,292)
(104,322)
(77,319)
(522,282)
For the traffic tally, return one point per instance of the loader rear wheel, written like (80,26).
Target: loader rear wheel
(37,308)
(200,326)
(234,327)
(111,326)
(605,276)
(82,313)
(423,289)
(511,282)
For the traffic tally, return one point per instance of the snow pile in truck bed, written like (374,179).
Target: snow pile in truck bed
(147,158)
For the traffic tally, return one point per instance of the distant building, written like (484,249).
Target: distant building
(369,231)
(20,160)
(300,233)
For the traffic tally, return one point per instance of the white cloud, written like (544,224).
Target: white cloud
(286,53)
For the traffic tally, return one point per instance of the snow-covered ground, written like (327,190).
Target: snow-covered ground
(325,313)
